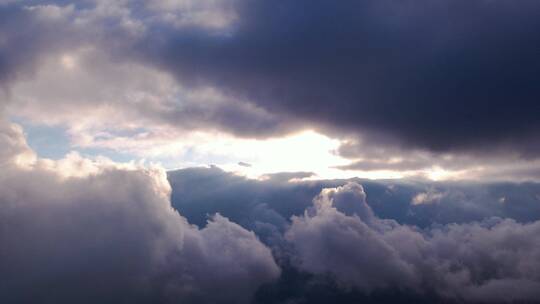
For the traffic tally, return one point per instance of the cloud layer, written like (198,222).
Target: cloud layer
(494,261)
(438,89)
(435,75)
(422,81)
(394,242)
(87,231)
(93,230)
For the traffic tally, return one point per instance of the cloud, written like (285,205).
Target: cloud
(88,231)
(337,238)
(415,88)
(427,197)
(197,192)
(243,164)
(207,14)
(76,221)
(69,64)
(95,95)
(20,48)
(386,211)
(287,176)
(435,75)
(136,76)
(14,147)
(494,260)
(495,166)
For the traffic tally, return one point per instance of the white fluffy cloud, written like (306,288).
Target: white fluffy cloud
(108,233)
(495,260)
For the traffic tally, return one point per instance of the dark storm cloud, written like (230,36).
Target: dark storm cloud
(440,75)
(445,75)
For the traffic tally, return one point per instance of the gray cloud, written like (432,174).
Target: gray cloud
(408,77)
(197,192)
(243,164)
(287,176)
(432,75)
(69,64)
(494,260)
(26,36)
(389,218)
(104,223)
(257,74)
(82,231)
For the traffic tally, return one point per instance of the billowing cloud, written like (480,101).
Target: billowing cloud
(435,75)
(75,222)
(201,191)
(291,93)
(87,231)
(494,260)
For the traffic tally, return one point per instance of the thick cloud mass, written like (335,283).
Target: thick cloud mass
(403,86)
(86,231)
(395,242)
(494,260)
(82,231)
(438,75)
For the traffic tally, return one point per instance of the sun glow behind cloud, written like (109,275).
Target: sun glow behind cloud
(305,151)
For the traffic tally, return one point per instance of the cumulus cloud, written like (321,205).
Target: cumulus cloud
(93,230)
(199,191)
(345,245)
(494,260)
(134,75)
(107,233)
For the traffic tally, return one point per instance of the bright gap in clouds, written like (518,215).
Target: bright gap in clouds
(305,151)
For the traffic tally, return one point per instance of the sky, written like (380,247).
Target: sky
(252,151)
